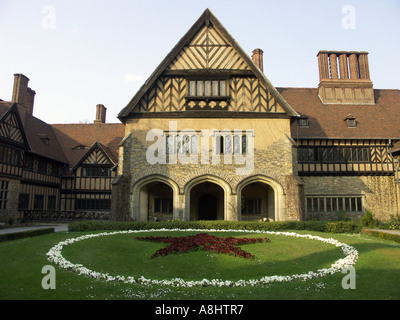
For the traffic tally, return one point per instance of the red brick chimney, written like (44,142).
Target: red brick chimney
(344,78)
(257,58)
(100,114)
(22,94)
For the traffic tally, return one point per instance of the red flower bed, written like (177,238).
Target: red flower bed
(206,242)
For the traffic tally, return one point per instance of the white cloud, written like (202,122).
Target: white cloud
(129,77)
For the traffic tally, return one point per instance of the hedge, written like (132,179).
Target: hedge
(322,226)
(25,234)
(382,234)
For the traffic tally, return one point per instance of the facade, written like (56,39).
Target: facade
(317,152)
(208,137)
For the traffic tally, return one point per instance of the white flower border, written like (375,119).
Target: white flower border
(55,255)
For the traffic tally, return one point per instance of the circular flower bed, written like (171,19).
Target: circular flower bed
(351,256)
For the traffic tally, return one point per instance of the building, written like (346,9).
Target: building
(209,137)
(54,171)
(317,151)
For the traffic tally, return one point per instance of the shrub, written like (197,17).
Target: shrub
(25,234)
(367,220)
(321,226)
(382,235)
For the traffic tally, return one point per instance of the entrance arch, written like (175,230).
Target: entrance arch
(260,197)
(206,198)
(155,198)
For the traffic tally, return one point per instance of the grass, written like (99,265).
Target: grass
(378,270)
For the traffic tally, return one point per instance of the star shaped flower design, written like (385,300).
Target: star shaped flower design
(206,242)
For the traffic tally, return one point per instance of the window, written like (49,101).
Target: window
(51,203)
(38,201)
(208,88)
(3,194)
(251,206)
(334,154)
(334,204)
(181,144)
(95,171)
(226,144)
(163,205)
(93,204)
(23,202)
(10,156)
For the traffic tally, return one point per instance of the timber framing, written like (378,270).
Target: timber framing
(206,19)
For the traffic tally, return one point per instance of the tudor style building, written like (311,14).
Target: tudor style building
(316,151)
(209,137)
(54,171)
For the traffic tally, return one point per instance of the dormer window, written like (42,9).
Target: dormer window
(351,121)
(44,138)
(303,121)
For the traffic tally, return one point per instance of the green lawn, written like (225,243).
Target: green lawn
(377,270)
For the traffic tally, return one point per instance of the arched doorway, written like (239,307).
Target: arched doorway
(260,197)
(257,202)
(207,202)
(208,207)
(155,198)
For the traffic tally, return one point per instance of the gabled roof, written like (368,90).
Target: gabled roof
(205,19)
(76,139)
(11,127)
(105,151)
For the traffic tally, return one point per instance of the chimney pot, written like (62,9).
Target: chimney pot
(100,114)
(257,58)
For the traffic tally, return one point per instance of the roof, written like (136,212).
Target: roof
(39,135)
(379,121)
(76,139)
(205,19)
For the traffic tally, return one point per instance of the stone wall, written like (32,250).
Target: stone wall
(378,192)
(273,159)
(11,210)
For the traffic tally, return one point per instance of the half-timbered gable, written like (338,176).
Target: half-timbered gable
(13,141)
(207,71)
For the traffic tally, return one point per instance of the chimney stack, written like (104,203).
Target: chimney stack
(257,58)
(344,78)
(100,114)
(22,94)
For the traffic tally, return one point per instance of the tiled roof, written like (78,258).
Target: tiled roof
(42,139)
(76,139)
(379,121)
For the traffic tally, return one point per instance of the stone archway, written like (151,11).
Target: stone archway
(207,202)
(207,188)
(155,197)
(260,197)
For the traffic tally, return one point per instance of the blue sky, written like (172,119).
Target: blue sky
(78,54)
